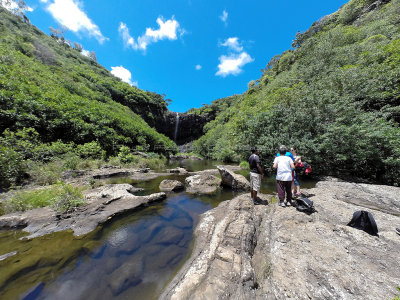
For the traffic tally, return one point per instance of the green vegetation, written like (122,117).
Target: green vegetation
(335,96)
(56,102)
(398,296)
(244,165)
(62,197)
(216,107)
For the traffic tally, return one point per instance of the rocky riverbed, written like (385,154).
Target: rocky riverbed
(247,251)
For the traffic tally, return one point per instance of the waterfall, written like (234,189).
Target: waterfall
(176,127)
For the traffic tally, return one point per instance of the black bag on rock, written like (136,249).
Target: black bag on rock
(365,221)
(305,205)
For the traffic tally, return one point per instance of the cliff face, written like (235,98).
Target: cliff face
(247,251)
(182,128)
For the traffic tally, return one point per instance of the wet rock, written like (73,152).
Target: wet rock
(202,184)
(171,185)
(7,255)
(183,222)
(150,232)
(130,244)
(128,275)
(102,204)
(108,173)
(169,235)
(167,258)
(235,181)
(246,251)
(177,171)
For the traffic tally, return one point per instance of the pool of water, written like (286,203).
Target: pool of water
(132,257)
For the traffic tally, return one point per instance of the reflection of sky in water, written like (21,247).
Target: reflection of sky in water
(134,256)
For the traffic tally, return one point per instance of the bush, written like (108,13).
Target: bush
(12,167)
(125,156)
(68,198)
(45,173)
(91,150)
(244,165)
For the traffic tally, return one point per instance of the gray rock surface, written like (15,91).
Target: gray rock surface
(171,185)
(202,184)
(101,205)
(235,181)
(246,251)
(177,170)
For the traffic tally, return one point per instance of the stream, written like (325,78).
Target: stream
(132,257)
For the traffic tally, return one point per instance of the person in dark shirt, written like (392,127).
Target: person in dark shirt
(256,173)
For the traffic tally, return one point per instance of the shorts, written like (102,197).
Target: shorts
(255,181)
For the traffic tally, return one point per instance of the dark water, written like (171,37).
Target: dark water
(132,257)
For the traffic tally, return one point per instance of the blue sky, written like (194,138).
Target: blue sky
(193,51)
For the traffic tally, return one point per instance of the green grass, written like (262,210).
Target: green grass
(62,197)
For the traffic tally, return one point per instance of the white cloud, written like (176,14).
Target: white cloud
(198,67)
(69,14)
(167,30)
(224,17)
(232,64)
(233,44)
(124,74)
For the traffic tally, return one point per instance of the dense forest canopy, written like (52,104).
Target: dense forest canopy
(56,102)
(49,86)
(335,95)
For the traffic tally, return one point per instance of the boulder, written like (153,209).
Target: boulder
(171,185)
(235,181)
(126,276)
(247,251)
(202,184)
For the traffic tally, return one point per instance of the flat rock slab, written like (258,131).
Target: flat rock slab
(202,184)
(246,251)
(102,204)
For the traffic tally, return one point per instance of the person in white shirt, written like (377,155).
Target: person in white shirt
(284,165)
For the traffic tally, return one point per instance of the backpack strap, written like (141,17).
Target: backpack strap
(373,223)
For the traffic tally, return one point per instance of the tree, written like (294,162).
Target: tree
(78,47)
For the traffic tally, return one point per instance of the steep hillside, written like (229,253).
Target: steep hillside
(48,86)
(335,96)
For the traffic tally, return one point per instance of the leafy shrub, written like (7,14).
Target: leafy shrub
(71,161)
(68,198)
(125,156)
(91,150)
(244,165)
(45,173)
(12,167)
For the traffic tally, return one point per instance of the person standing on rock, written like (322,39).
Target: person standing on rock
(284,165)
(295,181)
(256,173)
